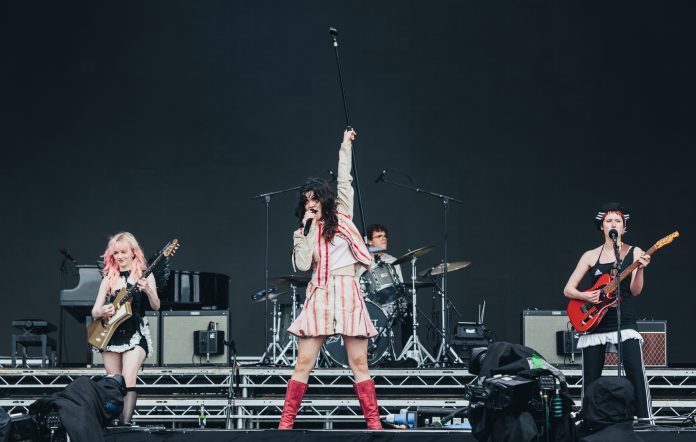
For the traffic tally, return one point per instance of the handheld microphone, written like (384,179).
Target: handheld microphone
(381,176)
(67,255)
(613,234)
(307,225)
(333,31)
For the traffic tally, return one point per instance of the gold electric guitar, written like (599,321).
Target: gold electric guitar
(100,331)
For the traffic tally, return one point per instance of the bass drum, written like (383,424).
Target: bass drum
(377,347)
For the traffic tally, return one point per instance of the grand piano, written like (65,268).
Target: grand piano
(185,290)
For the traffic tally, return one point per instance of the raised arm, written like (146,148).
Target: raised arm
(344,196)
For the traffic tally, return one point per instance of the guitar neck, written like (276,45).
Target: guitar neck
(611,287)
(146,273)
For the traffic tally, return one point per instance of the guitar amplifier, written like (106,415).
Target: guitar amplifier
(179,329)
(153,318)
(654,335)
(549,333)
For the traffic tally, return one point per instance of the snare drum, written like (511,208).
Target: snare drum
(381,283)
(377,347)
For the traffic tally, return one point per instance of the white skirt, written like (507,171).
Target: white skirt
(609,339)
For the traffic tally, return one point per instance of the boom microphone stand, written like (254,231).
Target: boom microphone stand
(267,198)
(446,354)
(333,32)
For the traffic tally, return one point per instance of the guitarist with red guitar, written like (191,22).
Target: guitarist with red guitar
(600,326)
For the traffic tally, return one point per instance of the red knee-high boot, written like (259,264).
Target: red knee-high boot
(293,400)
(368,402)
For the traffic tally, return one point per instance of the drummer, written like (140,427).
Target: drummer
(378,242)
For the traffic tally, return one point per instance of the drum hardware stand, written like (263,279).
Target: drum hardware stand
(413,347)
(445,350)
(457,359)
(270,354)
(292,344)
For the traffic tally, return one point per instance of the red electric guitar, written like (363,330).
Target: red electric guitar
(585,315)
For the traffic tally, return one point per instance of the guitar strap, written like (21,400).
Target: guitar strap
(135,303)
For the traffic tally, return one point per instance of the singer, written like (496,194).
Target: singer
(328,242)
(124,264)
(612,220)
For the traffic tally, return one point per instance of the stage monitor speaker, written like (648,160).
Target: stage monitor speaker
(178,328)
(654,335)
(153,318)
(539,331)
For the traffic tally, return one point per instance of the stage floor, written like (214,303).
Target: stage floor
(151,435)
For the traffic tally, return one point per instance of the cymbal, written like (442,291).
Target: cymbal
(440,268)
(285,280)
(376,249)
(413,253)
(261,296)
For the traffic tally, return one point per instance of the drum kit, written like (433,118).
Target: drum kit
(388,299)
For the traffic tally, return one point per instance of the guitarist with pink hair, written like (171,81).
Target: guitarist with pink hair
(603,337)
(124,265)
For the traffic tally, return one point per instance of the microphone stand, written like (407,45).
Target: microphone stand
(334,35)
(615,276)
(61,326)
(267,199)
(445,350)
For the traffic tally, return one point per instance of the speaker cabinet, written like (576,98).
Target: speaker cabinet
(178,329)
(654,335)
(153,318)
(539,331)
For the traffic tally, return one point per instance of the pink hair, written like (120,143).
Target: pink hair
(111,271)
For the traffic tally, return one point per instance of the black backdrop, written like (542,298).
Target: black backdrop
(164,118)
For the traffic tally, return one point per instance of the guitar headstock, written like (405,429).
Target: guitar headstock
(666,240)
(170,249)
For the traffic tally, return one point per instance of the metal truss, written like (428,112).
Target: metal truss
(174,395)
(201,380)
(662,381)
(259,380)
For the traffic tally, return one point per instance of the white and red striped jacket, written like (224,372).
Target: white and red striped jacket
(312,251)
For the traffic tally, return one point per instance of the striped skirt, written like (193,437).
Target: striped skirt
(338,308)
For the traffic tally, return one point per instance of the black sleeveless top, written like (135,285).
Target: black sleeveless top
(139,305)
(628,309)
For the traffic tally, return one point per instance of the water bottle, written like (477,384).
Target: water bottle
(557,403)
(201,416)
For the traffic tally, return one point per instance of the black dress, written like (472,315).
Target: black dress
(134,330)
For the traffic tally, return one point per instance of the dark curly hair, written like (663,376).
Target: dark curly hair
(326,196)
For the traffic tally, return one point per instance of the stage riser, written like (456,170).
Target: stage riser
(144,435)
(174,395)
